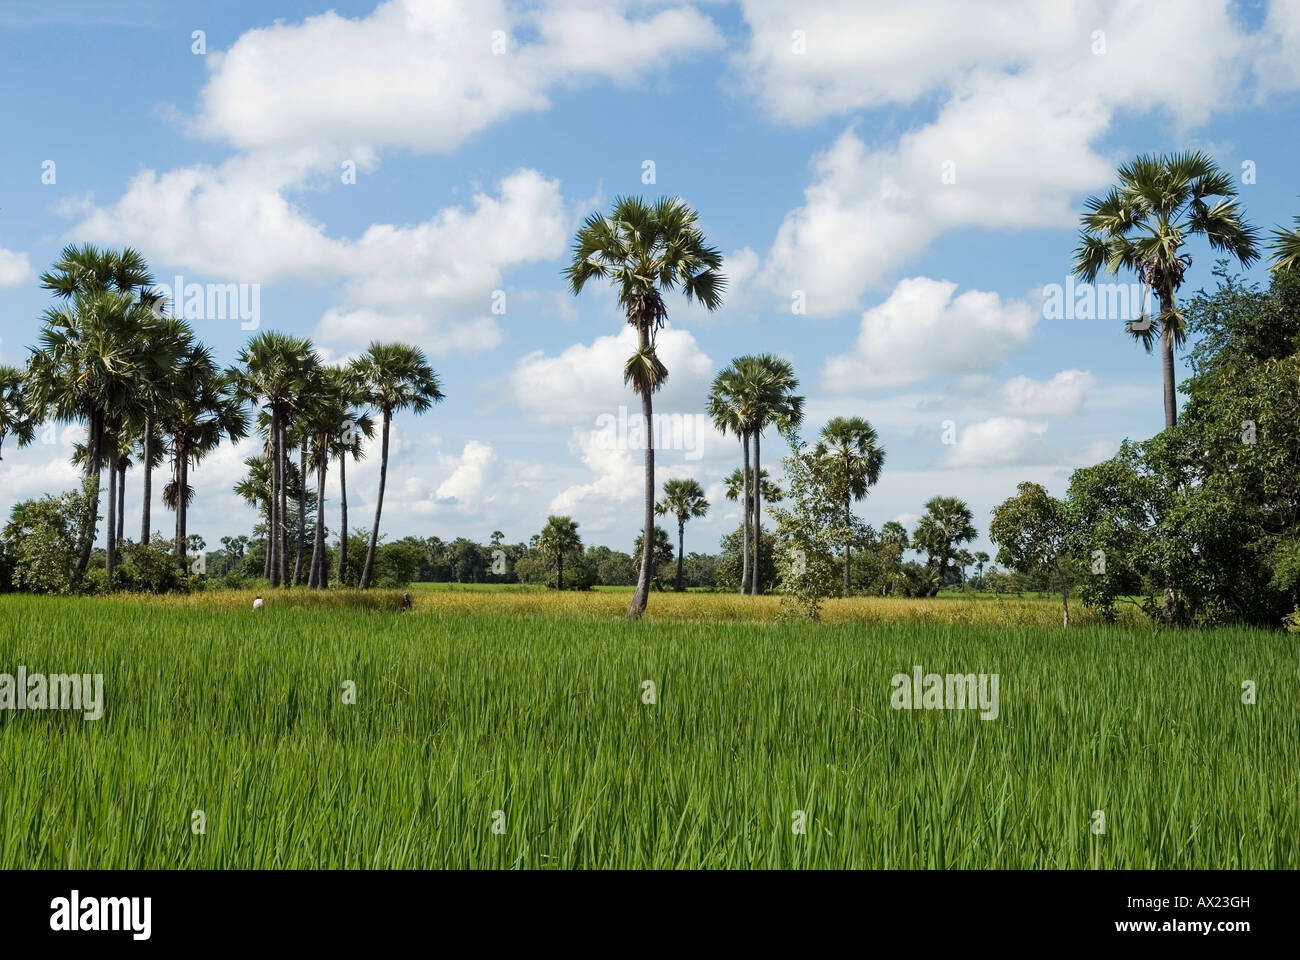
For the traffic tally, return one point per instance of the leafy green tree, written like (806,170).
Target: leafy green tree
(646,250)
(394,377)
(812,527)
(684,500)
(41,541)
(1031,532)
(852,447)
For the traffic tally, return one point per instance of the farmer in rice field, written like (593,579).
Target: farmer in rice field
(406,601)
(257,603)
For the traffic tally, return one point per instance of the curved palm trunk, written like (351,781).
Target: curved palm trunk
(681,555)
(343,519)
(90,521)
(368,571)
(744,523)
(642,594)
(147,503)
(756,584)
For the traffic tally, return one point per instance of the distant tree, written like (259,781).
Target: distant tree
(1030,530)
(947,524)
(683,500)
(559,538)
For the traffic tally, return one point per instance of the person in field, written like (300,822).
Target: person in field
(406,601)
(257,603)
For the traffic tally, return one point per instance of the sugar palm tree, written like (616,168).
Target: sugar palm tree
(948,523)
(90,359)
(347,445)
(683,499)
(16,419)
(558,537)
(852,446)
(203,409)
(156,391)
(334,428)
(647,250)
(768,385)
(1286,248)
(393,377)
(725,407)
(274,371)
(1144,224)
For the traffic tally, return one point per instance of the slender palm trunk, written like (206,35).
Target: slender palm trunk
(756,584)
(744,524)
(90,522)
(1065,605)
(319,560)
(848,515)
(343,519)
(266,559)
(273,528)
(121,502)
(1167,363)
(110,553)
(302,514)
(681,554)
(146,504)
(642,594)
(182,485)
(368,570)
(282,531)
(559,570)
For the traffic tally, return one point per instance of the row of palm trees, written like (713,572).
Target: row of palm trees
(147,389)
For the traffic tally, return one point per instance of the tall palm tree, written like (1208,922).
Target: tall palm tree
(394,377)
(15,418)
(683,499)
(156,391)
(91,355)
(1144,223)
(852,446)
(1286,248)
(646,250)
(333,426)
(347,444)
(558,537)
(90,358)
(274,371)
(768,385)
(204,408)
(726,410)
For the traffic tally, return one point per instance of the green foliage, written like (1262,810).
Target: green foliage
(40,542)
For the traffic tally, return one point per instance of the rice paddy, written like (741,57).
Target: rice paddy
(506,729)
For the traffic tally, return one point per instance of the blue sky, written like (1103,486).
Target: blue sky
(912,173)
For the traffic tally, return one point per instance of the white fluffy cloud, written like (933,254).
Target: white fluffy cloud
(1062,396)
(584,381)
(925,329)
(428,74)
(15,268)
(1026,91)
(417,281)
(1017,441)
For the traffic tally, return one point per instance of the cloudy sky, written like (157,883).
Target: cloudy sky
(894,186)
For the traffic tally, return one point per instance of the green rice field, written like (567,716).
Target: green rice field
(485,735)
